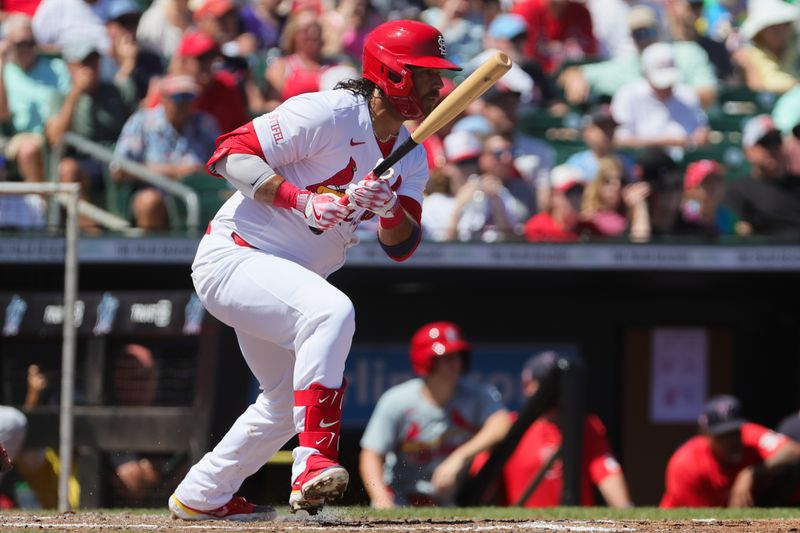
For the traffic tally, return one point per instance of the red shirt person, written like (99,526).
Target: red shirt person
(727,464)
(558,31)
(599,467)
(220,96)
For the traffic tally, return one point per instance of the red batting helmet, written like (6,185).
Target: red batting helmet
(392,47)
(434,340)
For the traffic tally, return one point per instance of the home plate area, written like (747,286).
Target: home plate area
(331,521)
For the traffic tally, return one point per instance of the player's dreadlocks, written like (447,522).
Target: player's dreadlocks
(361,86)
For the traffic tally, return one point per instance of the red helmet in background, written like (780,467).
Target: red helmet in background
(434,340)
(392,47)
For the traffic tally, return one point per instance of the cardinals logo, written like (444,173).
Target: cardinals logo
(337,183)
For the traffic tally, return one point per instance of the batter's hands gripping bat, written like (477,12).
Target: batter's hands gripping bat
(453,104)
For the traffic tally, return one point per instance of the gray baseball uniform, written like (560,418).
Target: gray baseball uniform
(415,436)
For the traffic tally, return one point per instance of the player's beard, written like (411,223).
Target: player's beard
(430,101)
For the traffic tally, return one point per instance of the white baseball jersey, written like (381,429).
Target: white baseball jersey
(321,142)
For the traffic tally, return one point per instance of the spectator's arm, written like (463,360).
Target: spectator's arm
(615,490)
(763,74)
(494,429)
(635,198)
(61,121)
(707,96)
(576,86)
(370,465)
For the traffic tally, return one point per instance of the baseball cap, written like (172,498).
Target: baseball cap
(176,84)
(461,145)
(758,129)
(600,116)
(76,51)
(507,26)
(213,8)
(658,65)
(118,8)
(641,16)
(698,171)
(539,366)
(194,44)
(477,124)
(762,14)
(565,177)
(721,414)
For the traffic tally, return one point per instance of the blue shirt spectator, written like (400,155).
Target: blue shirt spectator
(149,137)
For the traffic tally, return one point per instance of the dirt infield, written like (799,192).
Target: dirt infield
(330,521)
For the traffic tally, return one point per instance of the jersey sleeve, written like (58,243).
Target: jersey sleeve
(765,441)
(298,129)
(413,184)
(601,461)
(382,433)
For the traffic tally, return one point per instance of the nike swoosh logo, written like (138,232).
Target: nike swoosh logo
(355,143)
(324,424)
(320,441)
(253,184)
(325,399)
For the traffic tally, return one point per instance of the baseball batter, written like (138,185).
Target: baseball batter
(261,270)
(424,433)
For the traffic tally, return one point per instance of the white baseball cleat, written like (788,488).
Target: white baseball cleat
(237,509)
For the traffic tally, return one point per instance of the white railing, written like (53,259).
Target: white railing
(68,194)
(106,155)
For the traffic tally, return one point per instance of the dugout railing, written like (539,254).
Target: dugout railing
(563,388)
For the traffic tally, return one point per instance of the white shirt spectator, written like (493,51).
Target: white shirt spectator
(641,115)
(610,25)
(156,33)
(57,22)
(437,213)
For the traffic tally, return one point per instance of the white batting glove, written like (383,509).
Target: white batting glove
(374,194)
(322,211)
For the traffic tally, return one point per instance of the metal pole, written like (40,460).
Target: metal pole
(571,413)
(68,350)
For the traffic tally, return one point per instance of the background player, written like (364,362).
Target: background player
(425,432)
(543,438)
(260,270)
(732,463)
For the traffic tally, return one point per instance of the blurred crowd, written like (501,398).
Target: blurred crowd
(620,119)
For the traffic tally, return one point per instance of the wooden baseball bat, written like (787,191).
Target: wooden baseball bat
(454,103)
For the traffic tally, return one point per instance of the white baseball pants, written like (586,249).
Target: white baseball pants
(294,329)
